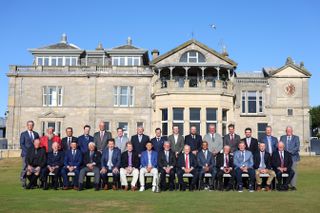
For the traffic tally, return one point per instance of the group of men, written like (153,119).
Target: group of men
(161,158)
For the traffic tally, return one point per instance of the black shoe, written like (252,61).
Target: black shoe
(96,187)
(293,188)
(80,187)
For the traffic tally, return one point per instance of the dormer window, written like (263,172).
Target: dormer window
(126,61)
(192,57)
(57,61)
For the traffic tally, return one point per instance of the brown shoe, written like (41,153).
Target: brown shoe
(65,188)
(114,187)
(106,187)
(125,188)
(268,189)
(75,188)
(258,188)
(133,188)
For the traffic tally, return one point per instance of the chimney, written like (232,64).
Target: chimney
(154,53)
(99,47)
(64,38)
(129,41)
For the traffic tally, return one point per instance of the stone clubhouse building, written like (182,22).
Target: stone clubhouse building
(191,84)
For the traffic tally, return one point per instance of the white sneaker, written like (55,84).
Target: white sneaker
(141,189)
(153,188)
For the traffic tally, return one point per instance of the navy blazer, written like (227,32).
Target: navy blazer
(116,158)
(64,143)
(158,146)
(202,161)
(181,163)
(139,147)
(96,158)
(144,159)
(274,142)
(83,143)
(293,147)
(195,144)
(70,161)
(26,142)
(276,160)
(55,160)
(257,160)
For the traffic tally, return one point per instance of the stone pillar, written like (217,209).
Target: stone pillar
(170,120)
(186,126)
(218,73)
(203,119)
(202,69)
(171,69)
(219,121)
(228,74)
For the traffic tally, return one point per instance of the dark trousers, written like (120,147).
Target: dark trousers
(55,181)
(75,181)
(212,171)
(115,178)
(194,179)
(287,180)
(238,174)
(163,178)
(220,174)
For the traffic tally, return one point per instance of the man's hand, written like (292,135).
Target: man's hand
(168,170)
(103,170)
(115,170)
(149,169)
(129,170)
(206,168)
(194,152)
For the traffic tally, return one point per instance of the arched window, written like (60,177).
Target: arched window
(192,57)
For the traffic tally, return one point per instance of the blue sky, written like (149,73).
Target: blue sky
(257,33)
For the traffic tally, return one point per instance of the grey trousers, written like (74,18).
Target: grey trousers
(84,171)
(23,171)
(294,179)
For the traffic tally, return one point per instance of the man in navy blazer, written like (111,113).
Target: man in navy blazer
(158,141)
(251,143)
(66,141)
(193,140)
(243,163)
(26,141)
(110,163)
(292,145)
(85,139)
(270,141)
(206,164)
(72,163)
(149,164)
(139,141)
(55,162)
(187,164)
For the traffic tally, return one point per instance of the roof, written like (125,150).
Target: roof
(60,46)
(126,46)
(203,46)
(289,63)
(253,74)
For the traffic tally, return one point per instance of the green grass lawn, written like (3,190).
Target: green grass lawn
(14,199)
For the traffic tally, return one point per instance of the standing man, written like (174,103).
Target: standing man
(176,140)
(225,166)
(206,164)
(251,143)
(66,141)
(166,165)
(262,165)
(292,145)
(85,139)
(47,140)
(243,163)
(121,140)
(149,164)
(158,141)
(231,139)
(270,141)
(26,141)
(110,162)
(187,164)
(193,140)
(139,141)
(214,140)
(101,137)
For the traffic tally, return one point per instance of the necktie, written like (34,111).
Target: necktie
(129,158)
(262,164)
(87,137)
(205,154)
(36,151)
(248,142)
(227,161)
(242,155)
(288,142)
(31,135)
(157,139)
(187,161)
(281,158)
(69,141)
(232,139)
(73,153)
(101,135)
(269,145)
(91,157)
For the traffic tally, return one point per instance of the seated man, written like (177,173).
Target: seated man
(206,164)
(282,163)
(243,163)
(36,161)
(92,163)
(130,163)
(55,162)
(149,164)
(262,165)
(225,166)
(72,163)
(166,165)
(110,162)
(187,164)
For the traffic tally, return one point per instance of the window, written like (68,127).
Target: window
(224,121)
(126,61)
(192,57)
(57,61)
(139,124)
(178,118)
(261,130)
(195,118)
(52,96)
(107,125)
(252,102)
(56,125)
(124,126)
(290,112)
(123,96)
(164,121)
(211,117)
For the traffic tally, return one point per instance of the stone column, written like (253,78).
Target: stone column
(219,120)
(218,73)
(228,74)
(171,69)
(203,119)
(186,126)
(202,69)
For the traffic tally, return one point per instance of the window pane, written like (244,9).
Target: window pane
(224,115)
(164,128)
(107,125)
(60,91)
(53,62)
(60,61)
(243,102)
(194,114)
(46,61)
(115,61)
(122,61)
(130,61)
(211,114)
(115,96)
(192,53)
(74,62)
(45,97)
(67,62)
(139,124)
(136,61)
(178,114)
(261,130)
(193,60)
(252,102)
(124,126)
(52,96)
(40,61)
(164,114)
(184,57)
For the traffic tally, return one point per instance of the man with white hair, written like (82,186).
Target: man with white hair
(292,145)
(101,137)
(47,140)
(166,165)
(214,140)
(139,141)
(91,163)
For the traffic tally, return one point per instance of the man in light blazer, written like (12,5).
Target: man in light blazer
(231,139)
(176,140)
(101,137)
(270,141)
(292,145)
(121,140)
(206,164)
(214,140)
(26,141)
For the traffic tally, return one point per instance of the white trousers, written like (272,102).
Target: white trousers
(123,177)
(154,173)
